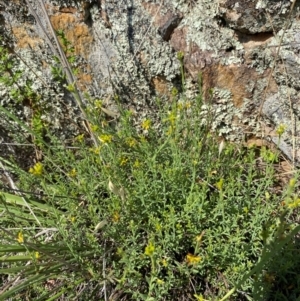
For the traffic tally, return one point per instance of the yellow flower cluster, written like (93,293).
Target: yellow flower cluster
(80,138)
(98,104)
(174,91)
(180,55)
(219,184)
(294,204)
(137,164)
(146,124)
(37,169)
(149,250)
(105,138)
(171,118)
(94,128)
(131,142)
(281,129)
(116,217)
(292,183)
(37,255)
(123,161)
(192,259)
(95,150)
(72,173)
(20,238)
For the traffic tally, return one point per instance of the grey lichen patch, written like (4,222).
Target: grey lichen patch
(276,107)
(102,58)
(128,51)
(161,60)
(191,90)
(222,115)
(77,3)
(132,51)
(255,16)
(261,59)
(226,120)
(203,22)
(287,70)
(235,58)
(187,6)
(283,109)
(258,93)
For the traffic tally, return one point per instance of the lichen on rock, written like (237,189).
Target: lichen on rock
(129,48)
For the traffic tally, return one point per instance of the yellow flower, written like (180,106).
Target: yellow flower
(72,173)
(131,142)
(95,150)
(281,129)
(105,138)
(137,164)
(146,124)
(294,204)
(199,298)
(159,281)
(179,106)
(219,184)
(188,105)
(292,182)
(171,118)
(149,250)
(164,262)
(116,217)
(37,255)
(94,127)
(158,227)
(192,259)
(174,91)
(180,55)
(98,104)
(79,138)
(37,169)
(123,161)
(73,218)
(20,237)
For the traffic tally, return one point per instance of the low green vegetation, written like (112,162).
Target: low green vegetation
(146,212)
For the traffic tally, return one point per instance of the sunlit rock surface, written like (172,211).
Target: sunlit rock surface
(129,48)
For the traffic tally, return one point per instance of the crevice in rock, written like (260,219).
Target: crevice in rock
(258,37)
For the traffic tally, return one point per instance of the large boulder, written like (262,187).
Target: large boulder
(246,51)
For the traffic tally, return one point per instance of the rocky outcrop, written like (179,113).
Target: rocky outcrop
(247,51)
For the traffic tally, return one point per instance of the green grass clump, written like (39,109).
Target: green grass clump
(130,212)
